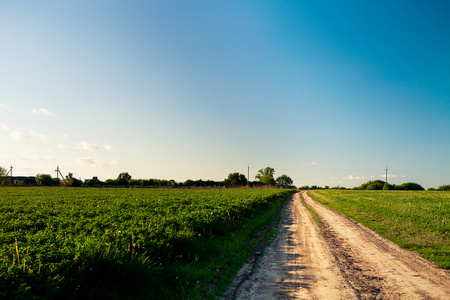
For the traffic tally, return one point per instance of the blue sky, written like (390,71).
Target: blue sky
(328,93)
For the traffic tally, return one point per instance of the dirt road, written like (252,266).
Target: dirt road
(340,259)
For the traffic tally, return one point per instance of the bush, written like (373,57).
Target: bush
(444,187)
(44,179)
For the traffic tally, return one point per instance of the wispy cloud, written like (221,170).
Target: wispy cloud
(314,163)
(42,111)
(38,135)
(17,135)
(3,127)
(351,177)
(83,145)
(108,147)
(62,146)
(90,162)
(389,176)
(3,106)
(29,157)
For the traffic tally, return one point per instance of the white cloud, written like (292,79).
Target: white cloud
(42,111)
(37,135)
(31,157)
(90,162)
(350,177)
(314,163)
(86,146)
(108,147)
(403,176)
(3,106)
(16,135)
(389,176)
(3,127)
(62,146)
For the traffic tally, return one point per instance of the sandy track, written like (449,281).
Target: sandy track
(346,261)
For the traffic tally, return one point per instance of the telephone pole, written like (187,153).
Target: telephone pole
(386,173)
(248,175)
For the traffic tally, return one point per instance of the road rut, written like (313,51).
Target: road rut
(338,259)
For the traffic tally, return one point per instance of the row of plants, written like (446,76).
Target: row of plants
(416,220)
(126,243)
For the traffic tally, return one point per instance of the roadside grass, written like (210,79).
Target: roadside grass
(127,243)
(415,220)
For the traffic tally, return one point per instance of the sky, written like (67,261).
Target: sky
(327,92)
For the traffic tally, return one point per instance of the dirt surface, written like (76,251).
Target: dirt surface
(338,259)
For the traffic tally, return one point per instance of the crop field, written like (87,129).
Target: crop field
(416,220)
(126,243)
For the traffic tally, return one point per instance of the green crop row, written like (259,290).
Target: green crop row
(72,243)
(416,220)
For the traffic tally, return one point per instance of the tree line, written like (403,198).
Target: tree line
(265,177)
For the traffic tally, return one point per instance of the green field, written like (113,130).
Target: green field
(126,243)
(416,220)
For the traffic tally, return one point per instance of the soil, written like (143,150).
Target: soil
(334,257)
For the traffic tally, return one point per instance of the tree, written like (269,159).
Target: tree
(3,179)
(284,181)
(235,179)
(44,179)
(410,186)
(123,178)
(72,181)
(265,176)
(445,187)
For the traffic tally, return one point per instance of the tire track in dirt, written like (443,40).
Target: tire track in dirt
(341,259)
(377,267)
(297,265)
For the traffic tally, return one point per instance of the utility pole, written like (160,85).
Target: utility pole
(248,175)
(386,173)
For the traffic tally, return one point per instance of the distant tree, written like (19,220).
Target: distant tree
(235,179)
(44,179)
(410,186)
(265,176)
(71,181)
(2,172)
(134,182)
(372,185)
(123,178)
(444,187)
(284,181)
(109,182)
(18,182)
(189,182)
(386,186)
(3,179)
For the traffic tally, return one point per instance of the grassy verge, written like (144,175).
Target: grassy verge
(415,220)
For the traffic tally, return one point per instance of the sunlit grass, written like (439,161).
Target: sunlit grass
(416,220)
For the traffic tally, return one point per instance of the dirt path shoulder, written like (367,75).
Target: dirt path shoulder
(341,259)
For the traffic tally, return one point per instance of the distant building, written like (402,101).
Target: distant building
(25,179)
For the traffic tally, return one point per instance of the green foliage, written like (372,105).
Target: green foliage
(416,220)
(5,181)
(44,179)
(123,178)
(284,181)
(409,186)
(123,243)
(265,176)
(235,179)
(444,187)
(381,185)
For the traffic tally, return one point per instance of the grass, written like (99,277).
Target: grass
(415,220)
(127,243)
